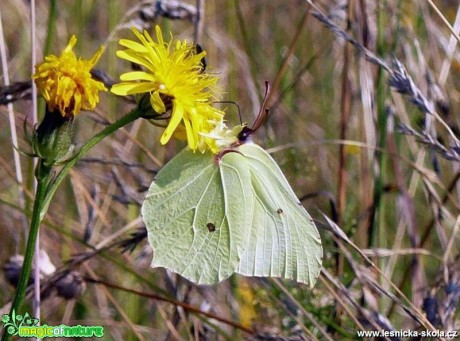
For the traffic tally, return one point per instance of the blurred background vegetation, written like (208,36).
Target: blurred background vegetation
(372,152)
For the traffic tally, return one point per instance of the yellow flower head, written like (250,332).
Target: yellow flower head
(175,80)
(66,83)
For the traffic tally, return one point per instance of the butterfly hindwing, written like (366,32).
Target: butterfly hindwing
(283,240)
(196,217)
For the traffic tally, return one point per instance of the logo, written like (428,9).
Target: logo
(27,326)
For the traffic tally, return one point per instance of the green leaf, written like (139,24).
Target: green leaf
(208,217)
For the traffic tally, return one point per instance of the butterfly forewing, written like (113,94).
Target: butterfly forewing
(283,240)
(190,194)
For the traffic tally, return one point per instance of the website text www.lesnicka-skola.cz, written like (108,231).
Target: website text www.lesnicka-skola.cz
(452,334)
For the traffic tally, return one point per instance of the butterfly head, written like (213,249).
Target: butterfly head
(245,134)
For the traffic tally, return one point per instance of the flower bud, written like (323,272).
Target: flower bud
(53,140)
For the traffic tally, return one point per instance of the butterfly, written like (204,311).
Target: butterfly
(210,216)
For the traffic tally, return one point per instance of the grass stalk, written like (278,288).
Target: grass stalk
(51,26)
(36,245)
(444,20)
(382,119)
(13,132)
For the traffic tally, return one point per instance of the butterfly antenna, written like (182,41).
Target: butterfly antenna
(263,112)
(234,103)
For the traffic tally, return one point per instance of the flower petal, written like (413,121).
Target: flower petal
(132,45)
(192,136)
(175,80)
(66,82)
(176,117)
(133,57)
(124,89)
(137,75)
(157,103)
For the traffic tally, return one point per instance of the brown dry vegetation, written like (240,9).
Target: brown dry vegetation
(363,122)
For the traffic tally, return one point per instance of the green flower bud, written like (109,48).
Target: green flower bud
(53,140)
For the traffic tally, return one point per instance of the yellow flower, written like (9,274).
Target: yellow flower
(66,83)
(175,81)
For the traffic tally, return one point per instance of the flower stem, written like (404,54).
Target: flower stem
(43,177)
(46,188)
(128,118)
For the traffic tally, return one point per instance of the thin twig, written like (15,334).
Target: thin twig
(410,309)
(36,300)
(285,63)
(449,52)
(444,20)
(14,136)
(115,303)
(185,306)
(308,315)
(199,22)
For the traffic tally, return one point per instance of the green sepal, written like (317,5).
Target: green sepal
(53,139)
(145,108)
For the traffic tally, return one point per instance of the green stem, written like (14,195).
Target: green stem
(46,188)
(51,26)
(128,118)
(382,122)
(43,177)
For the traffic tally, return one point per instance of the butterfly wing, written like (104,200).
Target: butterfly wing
(283,240)
(190,194)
